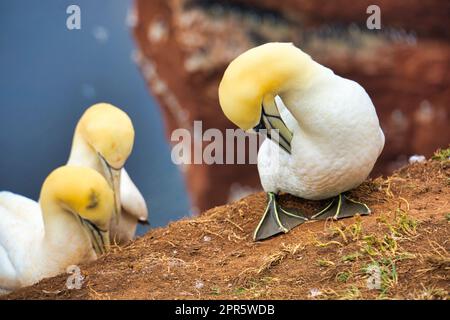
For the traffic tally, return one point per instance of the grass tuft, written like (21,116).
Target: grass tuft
(343,276)
(352,257)
(442,155)
(325,263)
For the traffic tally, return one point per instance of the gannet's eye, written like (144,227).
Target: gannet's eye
(93,200)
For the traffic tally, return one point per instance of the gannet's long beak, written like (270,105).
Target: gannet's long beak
(99,237)
(113,178)
(273,126)
(144,222)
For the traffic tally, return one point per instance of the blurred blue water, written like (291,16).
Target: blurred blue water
(49,75)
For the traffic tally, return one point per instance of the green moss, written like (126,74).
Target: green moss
(215,291)
(239,291)
(325,263)
(343,276)
(442,155)
(351,257)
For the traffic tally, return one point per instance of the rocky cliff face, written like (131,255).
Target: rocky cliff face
(185,45)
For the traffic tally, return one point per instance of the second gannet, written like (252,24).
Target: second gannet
(326,128)
(103,141)
(67,227)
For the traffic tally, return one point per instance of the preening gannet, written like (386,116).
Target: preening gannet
(67,227)
(327,128)
(103,141)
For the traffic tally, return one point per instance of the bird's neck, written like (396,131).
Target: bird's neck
(65,241)
(294,74)
(82,154)
(291,70)
(296,93)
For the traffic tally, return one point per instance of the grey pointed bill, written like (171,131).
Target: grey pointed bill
(113,178)
(273,126)
(99,237)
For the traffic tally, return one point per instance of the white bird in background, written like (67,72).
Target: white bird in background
(69,226)
(324,131)
(103,141)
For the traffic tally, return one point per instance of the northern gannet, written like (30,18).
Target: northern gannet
(69,225)
(103,141)
(327,127)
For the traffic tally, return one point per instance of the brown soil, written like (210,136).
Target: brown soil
(214,257)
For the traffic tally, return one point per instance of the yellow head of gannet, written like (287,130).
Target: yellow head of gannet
(252,81)
(104,135)
(109,131)
(70,225)
(84,193)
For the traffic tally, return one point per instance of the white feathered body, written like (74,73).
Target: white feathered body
(26,256)
(336,140)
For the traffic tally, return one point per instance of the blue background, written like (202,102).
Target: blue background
(49,75)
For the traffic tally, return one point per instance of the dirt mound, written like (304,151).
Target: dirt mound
(402,249)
